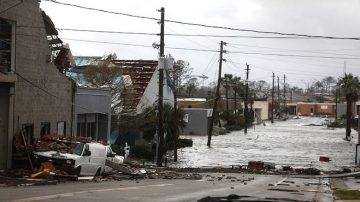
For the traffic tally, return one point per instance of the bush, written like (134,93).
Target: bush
(336,124)
(185,143)
(119,151)
(236,122)
(142,151)
(233,127)
(181,143)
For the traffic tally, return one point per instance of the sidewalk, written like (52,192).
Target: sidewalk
(346,183)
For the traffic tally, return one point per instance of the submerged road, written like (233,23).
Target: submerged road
(214,184)
(295,142)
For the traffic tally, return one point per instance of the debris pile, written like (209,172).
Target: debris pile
(126,171)
(307,171)
(59,143)
(255,165)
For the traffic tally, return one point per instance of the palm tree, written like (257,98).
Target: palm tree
(350,85)
(236,85)
(173,123)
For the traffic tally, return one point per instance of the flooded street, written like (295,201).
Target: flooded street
(288,142)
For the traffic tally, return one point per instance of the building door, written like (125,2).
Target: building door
(4,124)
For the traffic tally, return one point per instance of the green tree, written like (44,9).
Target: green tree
(173,123)
(182,72)
(191,86)
(328,82)
(350,85)
(236,85)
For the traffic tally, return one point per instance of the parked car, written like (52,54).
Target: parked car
(84,159)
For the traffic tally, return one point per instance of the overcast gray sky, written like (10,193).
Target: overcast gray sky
(314,17)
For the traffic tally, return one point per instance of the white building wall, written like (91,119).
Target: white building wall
(151,92)
(263,106)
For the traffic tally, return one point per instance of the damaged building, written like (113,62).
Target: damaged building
(139,89)
(35,95)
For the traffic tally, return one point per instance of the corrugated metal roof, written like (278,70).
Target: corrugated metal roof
(81,61)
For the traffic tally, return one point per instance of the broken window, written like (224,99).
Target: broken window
(45,129)
(5,46)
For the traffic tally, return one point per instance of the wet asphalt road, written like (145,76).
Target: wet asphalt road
(174,190)
(292,142)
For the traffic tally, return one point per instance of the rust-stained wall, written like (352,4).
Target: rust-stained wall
(308,109)
(32,105)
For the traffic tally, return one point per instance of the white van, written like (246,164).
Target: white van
(85,158)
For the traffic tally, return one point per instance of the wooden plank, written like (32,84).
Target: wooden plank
(27,150)
(117,167)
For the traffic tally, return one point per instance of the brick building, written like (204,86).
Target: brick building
(35,95)
(314,109)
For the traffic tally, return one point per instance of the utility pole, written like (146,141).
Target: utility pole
(336,103)
(279,111)
(227,97)
(285,111)
(175,114)
(272,99)
(161,138)
(246,99)
(217,96)
(235,101)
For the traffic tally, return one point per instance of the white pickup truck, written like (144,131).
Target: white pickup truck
(85,158)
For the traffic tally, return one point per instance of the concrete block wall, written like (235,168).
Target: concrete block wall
(32,105)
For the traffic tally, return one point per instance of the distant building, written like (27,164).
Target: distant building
(315,109)
(192,103)
(197,121)
(93,113)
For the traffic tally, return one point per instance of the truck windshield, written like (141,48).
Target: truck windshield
(77,148)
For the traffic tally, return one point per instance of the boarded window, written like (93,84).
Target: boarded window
(61,128)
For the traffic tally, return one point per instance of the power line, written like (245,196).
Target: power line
(290,55)
(264,32)
(102,10)
(108,42)
(209,26)
(270,69)
(139,45)
(108,31)
(283,49)
(177,34)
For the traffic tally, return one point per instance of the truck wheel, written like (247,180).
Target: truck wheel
(78,171)
(98,172)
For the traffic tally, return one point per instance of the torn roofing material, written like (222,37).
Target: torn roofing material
(140,72)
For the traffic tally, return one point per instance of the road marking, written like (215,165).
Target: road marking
(69,194)
(279,182)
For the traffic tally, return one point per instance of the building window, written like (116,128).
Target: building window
(45,129)
(5,45)
(311,110)
(28,130)
(61,128)
(86,125)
